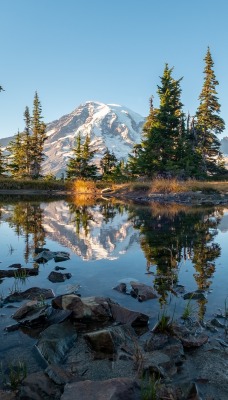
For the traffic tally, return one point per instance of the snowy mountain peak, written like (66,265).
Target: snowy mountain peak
(110,126)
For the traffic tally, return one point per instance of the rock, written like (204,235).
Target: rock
(187,338)
(57,268)
(58,276)
(157,364)
(15,266)
(55,341)
(40,249)
(61,256)
(197,295)
(12,328)
(56,316)
(44,256)
(101,341)
(122,288)
(126,316)
(86,309)
(142,292)
(37,317)
(39,386)
(217,323)
(26,309)
(169,345)
(58,375)
(8,395)
(33,293)
(111,389)
(24,272)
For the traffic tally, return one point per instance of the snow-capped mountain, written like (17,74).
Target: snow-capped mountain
(103,239)
(109,125)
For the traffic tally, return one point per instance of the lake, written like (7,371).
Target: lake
(173,249)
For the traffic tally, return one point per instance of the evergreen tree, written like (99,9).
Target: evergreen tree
(16,160)
(38,138)
(163,130)
(209,123)
(27,141)
(2,163)
(108,162)
(80,166)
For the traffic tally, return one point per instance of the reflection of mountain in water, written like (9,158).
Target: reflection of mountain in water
(102,240)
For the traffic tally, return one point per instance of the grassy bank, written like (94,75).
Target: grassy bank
(163,186)
(22,184)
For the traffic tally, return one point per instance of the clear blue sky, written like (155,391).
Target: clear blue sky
(112,51)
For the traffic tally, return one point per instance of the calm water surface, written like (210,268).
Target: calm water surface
(111,243)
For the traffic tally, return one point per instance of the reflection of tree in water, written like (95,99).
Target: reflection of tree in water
(173,234)
(82,212)
(26,220)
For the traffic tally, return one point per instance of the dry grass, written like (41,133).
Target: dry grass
(84,187)
(168,186)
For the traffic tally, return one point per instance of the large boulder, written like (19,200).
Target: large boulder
(91,309)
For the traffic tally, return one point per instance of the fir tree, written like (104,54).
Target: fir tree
(163,130)
(209,123)
(27,141)
(108,163)
(80,166)
(38,138)
(16,160)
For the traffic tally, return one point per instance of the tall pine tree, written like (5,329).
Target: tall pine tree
(209,123)
(2,163)
(38,137)
(163,130)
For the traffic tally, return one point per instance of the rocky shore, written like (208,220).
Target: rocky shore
(198,198)
(96,349)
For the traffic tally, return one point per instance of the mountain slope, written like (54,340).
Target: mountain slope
(109,126)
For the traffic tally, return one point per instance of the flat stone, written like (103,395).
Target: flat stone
(23,271)
(33,293)
(111,389)
(55,341)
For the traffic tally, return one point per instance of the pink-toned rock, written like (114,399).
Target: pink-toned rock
(111,389)
(26,309)
(86,308)
(142,292)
